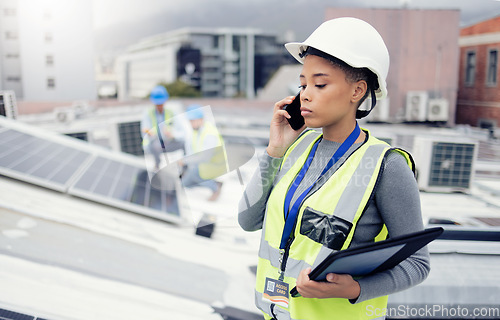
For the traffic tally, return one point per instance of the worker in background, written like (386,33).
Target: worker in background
(206,156)
(162,130)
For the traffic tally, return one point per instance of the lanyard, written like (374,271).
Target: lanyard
(291,213)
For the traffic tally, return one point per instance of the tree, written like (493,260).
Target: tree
(181,89)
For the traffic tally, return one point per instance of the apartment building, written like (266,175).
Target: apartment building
(423,75)
(220,62)
(46,50)
(478,87)
(10,57)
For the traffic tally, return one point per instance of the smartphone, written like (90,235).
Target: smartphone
(297,120)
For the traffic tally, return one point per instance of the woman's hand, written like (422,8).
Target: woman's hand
(336,286)
(281,134)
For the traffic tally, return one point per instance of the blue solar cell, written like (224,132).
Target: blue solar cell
(11,315)
(33,157)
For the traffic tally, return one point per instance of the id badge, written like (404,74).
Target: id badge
(276,292)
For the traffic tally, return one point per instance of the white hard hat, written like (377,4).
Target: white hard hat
(353,41)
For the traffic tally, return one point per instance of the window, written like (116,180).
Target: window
(47,15)
(9,12)
(11,35)
(48,37)
(470,68)
(13,79)
(51,83)
(492,67)
(49,60)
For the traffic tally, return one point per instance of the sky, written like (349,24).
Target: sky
(111,12)
(121,23)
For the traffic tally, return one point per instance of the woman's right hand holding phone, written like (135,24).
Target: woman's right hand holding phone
(281,135)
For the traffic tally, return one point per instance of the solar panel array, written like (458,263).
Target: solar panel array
(37,160)
(79,135)
(11,315)
(71,166)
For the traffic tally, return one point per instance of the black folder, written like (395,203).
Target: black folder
(374,257)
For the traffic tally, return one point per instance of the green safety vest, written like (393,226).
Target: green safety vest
(217,165)
(146,139)
(342,199)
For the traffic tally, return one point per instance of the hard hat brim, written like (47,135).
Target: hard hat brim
(158,101)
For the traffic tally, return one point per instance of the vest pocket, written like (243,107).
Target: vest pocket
(327,229)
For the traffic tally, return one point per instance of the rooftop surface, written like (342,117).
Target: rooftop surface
(67,257)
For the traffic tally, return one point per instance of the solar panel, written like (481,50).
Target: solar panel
(11,315)
(79,135)
(68,165)
(39,161)
(127,186)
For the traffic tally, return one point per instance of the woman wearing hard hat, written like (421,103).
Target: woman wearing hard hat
(317,192)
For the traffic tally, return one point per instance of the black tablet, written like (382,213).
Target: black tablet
(374,257)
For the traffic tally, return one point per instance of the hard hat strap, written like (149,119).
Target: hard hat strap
(363,113)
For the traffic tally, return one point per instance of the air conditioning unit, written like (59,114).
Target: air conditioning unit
(81,108)
(416,106)
(437,110)
(126,137)
(64,114)
(381,111)
(445,164)
(8,104)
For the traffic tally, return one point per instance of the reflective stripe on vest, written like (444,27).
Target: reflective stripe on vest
(218,164)
(341,196)
(167,115)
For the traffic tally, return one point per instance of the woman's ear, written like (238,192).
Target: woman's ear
(359,92)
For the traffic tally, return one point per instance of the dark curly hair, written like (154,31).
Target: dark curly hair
(352,74)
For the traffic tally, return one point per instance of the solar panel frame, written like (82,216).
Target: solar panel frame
(16,159)
(88,192)
(80,157)
(12,315)
(82,135)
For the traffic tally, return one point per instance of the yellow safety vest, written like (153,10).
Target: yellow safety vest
(217,165)
(146,139)
(342,198)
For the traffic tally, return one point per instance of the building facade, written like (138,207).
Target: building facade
(46,50)
(423,75)
(479,96)
(10,54)
(220,62)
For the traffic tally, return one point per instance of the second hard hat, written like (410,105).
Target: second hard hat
(159,95)
(194,112)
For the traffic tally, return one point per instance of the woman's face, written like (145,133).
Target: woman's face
(326,96)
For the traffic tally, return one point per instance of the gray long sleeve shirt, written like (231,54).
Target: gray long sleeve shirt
(396,204)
